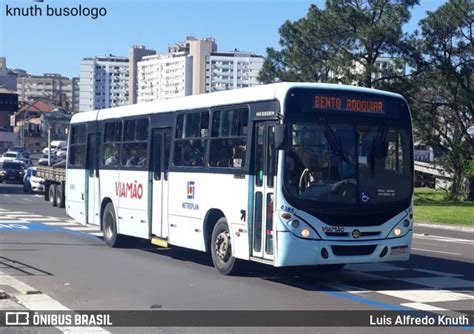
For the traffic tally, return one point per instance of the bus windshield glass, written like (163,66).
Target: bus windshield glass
(348,162)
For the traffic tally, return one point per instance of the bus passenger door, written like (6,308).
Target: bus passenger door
(158,202)
(92,180)
(265,156)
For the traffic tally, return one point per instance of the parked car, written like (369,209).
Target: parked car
(13,170)
(43,161)
(21,149)
(31,182)
(11,156)
(55,144)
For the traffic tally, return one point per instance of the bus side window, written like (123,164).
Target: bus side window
(229,138)
(191,137)
(259,156)
(272,157)
(77,146)
(134,143)
(111,147)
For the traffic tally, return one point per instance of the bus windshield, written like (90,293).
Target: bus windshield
(348,162)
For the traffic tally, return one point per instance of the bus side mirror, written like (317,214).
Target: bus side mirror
(280,138)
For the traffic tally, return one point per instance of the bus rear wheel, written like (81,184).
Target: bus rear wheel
(60,196)
(109,227)
(221,248)
(52,195)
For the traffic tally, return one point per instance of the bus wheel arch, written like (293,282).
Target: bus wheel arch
(210,220)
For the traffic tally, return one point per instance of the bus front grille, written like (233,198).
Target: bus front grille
(353,250)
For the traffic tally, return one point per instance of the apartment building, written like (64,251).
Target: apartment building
(51,86)
(192,67)
(232,70)
(135,54)
(103,82)
(164,76)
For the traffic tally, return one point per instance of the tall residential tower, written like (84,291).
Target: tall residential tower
(103,82)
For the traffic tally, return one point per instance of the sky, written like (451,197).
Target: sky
(51,44)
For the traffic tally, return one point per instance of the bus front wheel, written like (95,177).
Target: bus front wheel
(109,226)
(221,248)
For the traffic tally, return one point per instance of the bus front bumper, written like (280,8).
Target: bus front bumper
(294,251)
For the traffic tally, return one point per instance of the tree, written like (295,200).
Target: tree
(328,44)
(442,96)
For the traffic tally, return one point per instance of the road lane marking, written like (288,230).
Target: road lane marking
(26,216)
(82,228)
(14,226)
(51,219)
(59,224)
(346,288)
(426,296)
(14,212)
(434,251)
(444,239)
(42,302)
(441,273)
(423,307)
(28,200)
(440,282)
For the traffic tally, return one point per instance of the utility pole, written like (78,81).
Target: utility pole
(49,146)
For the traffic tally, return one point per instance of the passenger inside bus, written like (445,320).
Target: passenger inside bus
(194,153)
(110,155)
(238,158)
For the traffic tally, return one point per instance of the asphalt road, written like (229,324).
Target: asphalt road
(71,266)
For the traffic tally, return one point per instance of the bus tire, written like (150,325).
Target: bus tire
(221,248)
(52,195)
(59,196)
(109,227)
(332,267)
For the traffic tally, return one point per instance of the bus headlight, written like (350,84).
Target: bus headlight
(397,231)
(301,229)
(400,230)
(305,233)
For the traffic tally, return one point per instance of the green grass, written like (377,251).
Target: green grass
(432,206)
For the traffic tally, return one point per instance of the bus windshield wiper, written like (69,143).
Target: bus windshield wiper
(332,139)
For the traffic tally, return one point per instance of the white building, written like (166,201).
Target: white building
(164,76)
(232,70)
(195,67)
(103,82)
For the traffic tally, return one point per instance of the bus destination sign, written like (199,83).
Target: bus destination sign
(348,104)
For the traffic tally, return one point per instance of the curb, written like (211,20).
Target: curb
(446,227)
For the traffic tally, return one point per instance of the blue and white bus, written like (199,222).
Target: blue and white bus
(284,174)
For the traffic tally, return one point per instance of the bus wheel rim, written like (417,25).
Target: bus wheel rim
(222,246)
(109,225)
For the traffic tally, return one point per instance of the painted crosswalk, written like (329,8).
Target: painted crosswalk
(8,219)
